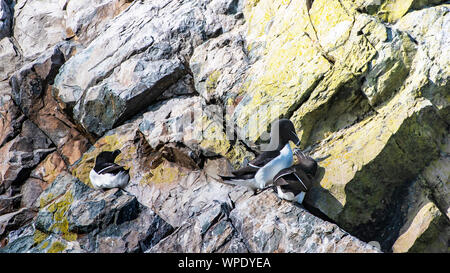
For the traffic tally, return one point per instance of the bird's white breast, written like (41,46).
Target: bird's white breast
(108,181)
(265,175)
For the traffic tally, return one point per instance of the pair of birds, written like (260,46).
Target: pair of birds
(271,168)
(274,166)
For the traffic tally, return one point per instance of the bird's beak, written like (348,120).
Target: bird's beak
(116,153)
(295,139)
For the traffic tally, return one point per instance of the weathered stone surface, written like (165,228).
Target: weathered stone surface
(189,121)
(437,177)
(174,120)
(130,64)
(35,40)
(430,73)
(30,82)
(183,87)
(190,200)
(366,163)
(40,177)
(208,232)
(154,172)
(11,58)
(75,218)
(5,19)
(281,77)
(21,232)
(390,68)
(367,52)
(20,155)
(49,168)
(11,118)
(31,88)
(391,10)
(15,220)
(9,204)
(261,223)
(425,229)
(87,19)
(289,228)
(172,83)
(218,66)
(30,192)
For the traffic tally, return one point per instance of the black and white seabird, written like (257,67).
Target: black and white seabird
(278,155)
(106,174)
(292,183)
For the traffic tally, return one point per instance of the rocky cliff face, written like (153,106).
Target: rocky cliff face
(187,89)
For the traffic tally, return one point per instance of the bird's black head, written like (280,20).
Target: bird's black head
(306,163)
(283,131)
(107,157)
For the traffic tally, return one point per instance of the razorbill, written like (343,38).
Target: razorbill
(106,174)
(292,183)
(278,155)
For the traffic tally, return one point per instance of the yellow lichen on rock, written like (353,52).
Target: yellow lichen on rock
(56,247)
(213,138)
(211,82)
(59,210)
(392,10)
(39,237)
(44,200)
(164,173)
(349,152)
(332,24)
(290,65)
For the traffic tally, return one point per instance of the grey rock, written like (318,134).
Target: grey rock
(174,120)
(133,61)
(34,40)
(13,235)
(9,203)
(31,89)
(30,82)
(269,224)
(15,220)
(21,154)
(31,190)
(151,81)
(207,232)
(97,210)
(219,65)
(391,66)
(137,235)
(5,19)
(20,245)
(11,118)
(184,87)
(430,73)
(87,19)
(76,218)
(11,58)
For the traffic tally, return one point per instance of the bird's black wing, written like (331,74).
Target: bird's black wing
(244,176)
(293,179)
(277,181)
(264,158)
(254,165)
(290,184)
(111,168)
